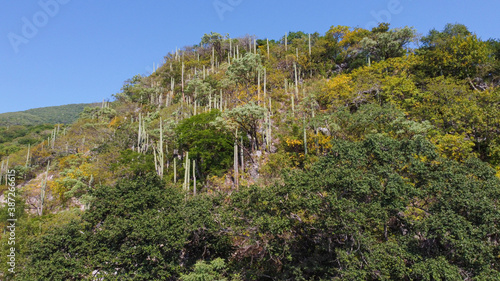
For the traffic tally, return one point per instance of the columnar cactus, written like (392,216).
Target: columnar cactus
(175,170)
(28,157)
(159,155)
(186,173)
(236,175)
(194,177)
(182,82)
(267,48)
(258,87)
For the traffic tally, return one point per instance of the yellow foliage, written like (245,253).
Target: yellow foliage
(115,122)
(345,36)
(457,147)
(58,188)
(337,90)
(216,183)
(70,161)
(319,142)
(293,142)
(414,214)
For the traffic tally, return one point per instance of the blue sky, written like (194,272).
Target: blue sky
(55,52)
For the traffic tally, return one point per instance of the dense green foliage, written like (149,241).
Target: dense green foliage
(343,156)
(376,209)
(211,147)
(13,138)
(136,230)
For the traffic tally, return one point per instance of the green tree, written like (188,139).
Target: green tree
(453,51)
(247,118)
(210,146)
(243,71)
(214,40)
(384,44)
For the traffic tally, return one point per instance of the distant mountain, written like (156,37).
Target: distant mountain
(64,114)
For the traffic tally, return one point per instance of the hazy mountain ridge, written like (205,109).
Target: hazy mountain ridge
(62,114)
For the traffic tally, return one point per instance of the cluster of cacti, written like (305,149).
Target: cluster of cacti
(206,100)
(105,104)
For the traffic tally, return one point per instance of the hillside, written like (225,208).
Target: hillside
(346,155)
(63,114)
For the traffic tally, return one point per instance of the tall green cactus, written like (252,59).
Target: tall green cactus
(1,171)
(296,81)
(6,167)
(186,173)
(221,100)
(28,157)
(158,154)
(265,85)
(142,136)
(258,87)
(182,82)
(267,48)
(305,136)
(175,170)
(213,58)
(236,175)
(194,177)
(242,156)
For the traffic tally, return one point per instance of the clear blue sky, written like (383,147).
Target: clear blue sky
(82,51)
